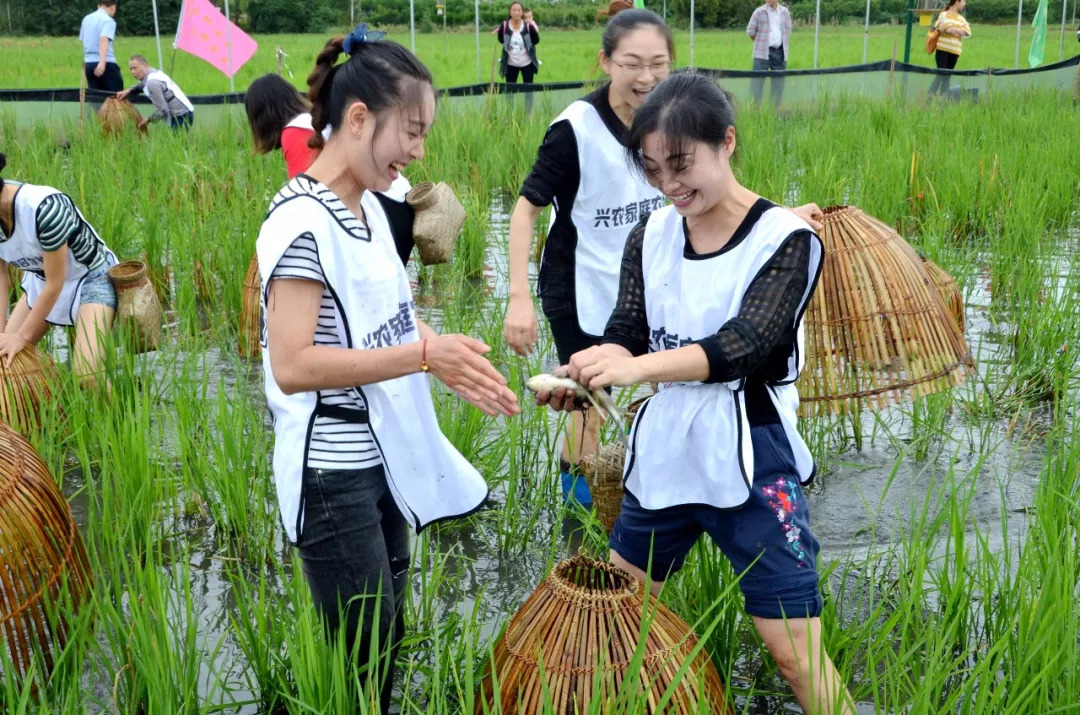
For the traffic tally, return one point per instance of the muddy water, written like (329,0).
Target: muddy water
(859,509)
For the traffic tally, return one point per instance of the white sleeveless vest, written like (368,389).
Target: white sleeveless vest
(170,86)
(610,200)
(24,251)
(690,443)
(428,478)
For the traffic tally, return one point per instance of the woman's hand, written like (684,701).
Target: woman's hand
(604,366)
(456,361)
(520,325)
(812,214)
(11,344)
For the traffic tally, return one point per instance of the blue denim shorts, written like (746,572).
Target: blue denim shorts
(97,288)
(767,539)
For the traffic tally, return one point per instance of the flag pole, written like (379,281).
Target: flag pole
(228,44)
(479,70)
(1019,20)
(866,33)
(157,35)
(1064,7)
(412,26)
(817,30)
(691,34)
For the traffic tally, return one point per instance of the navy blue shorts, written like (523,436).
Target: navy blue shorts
(773,527)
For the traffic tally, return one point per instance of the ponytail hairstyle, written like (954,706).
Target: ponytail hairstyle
(380,73)
(685,108)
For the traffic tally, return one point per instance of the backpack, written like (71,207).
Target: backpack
(931,41)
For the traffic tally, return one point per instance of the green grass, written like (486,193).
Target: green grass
(952,568)
(567,54)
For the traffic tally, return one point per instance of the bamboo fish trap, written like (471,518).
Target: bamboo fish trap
(877,329)
(41,551)
(574,640)
(949,291)
(26,387)
(251,312)
(115,113)
(604,472)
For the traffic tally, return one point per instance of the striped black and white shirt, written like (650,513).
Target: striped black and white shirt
(335,444)
(59,224)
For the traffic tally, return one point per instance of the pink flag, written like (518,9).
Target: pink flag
(206,33)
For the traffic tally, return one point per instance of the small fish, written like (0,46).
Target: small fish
(599,399)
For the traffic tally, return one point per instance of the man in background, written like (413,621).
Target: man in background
(97,34)
(170,102)
(769,28)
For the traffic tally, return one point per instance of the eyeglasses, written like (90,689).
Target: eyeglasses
(656,68)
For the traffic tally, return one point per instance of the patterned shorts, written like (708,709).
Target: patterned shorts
(767,539)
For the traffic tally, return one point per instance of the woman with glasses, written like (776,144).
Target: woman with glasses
(581,169)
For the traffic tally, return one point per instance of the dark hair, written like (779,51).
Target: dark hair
(950,3)
(106,3)
(3,163)
(378,73)
(625,21)
(141,59)
(684,108)
(271,103)
(511,7)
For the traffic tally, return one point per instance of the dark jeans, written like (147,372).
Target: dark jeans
(527,74)
(184,121)
(776,61)
(354,541)
(944,61)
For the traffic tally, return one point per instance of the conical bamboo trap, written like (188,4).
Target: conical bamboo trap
(40,551)
(115,113)
(251,312)
(574,640)
(25,387)
(949,291)
(877,330)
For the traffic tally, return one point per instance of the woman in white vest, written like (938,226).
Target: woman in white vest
(581,169)
(65,268)
(358,454)
(711,298)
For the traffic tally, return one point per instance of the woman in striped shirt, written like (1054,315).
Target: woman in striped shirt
(953,28)
(65,273)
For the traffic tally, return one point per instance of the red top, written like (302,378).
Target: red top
(294,146)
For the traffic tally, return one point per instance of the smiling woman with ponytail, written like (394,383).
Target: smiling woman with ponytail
(358,455)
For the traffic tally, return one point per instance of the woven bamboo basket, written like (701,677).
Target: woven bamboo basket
(949,291)
(575,637)
(877,330)
(604,472)
(27,388)
(251,313)
(116,113)
(138,310)
(40,551)
(439,217)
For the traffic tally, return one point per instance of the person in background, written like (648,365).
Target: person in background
(170,102)
(769,28)
(528,17)
(97,34)
(359,456)
(953,28)
(519,40)
(280,118)
(65,267)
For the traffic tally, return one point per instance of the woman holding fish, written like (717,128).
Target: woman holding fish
(710,303)
(581,169)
